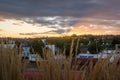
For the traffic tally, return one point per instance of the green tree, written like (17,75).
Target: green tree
(37,46)
(61,43)
(95,48)
(116,40)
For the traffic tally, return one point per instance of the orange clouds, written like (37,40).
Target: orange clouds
(95,29)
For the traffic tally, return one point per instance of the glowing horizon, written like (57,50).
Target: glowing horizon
(21,29)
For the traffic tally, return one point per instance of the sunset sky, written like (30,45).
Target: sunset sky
(42,18)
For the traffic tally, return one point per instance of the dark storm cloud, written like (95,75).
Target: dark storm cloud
(62,15)
(108,9)
(45,7)
(53,22)
(74,8)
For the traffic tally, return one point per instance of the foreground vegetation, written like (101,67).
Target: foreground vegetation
(12,67)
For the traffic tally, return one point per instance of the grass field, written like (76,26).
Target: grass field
(12,67)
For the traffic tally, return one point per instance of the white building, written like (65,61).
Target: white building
(25,51)
(34,57)
(108,51)
(50,46)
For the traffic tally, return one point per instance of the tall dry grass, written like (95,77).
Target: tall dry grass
(103,69)
(62,68)
(58,69)
(11,66)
